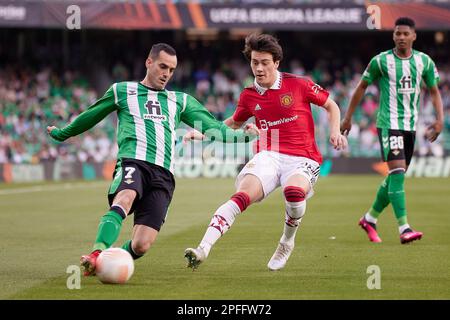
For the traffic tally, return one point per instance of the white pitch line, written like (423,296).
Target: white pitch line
(45,188)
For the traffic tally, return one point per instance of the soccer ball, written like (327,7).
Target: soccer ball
(114,265)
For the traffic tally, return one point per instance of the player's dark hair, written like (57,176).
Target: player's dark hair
(157,48)
(405,21)
(263,43)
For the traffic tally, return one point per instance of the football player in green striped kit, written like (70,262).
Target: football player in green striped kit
(143,183)
(400,72)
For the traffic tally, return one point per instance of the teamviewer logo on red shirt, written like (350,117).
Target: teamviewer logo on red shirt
(286,100)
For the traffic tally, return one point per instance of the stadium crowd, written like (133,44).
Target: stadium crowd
(32,99)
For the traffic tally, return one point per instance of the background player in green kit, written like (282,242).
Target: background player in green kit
(400,72)
(148,115)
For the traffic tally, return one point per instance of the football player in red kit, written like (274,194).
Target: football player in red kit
(287,154)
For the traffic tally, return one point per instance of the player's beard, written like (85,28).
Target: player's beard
(161,84)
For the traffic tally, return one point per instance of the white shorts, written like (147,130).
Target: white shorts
(274,169)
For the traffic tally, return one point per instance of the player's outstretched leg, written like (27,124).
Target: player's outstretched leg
(220,223)
(295,210)
(108,232)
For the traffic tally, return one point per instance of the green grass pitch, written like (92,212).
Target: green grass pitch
(46,227)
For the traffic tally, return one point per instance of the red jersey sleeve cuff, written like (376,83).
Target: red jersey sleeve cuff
(325,96)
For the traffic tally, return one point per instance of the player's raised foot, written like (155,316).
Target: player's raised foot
(370,229)
(194,257)
(410,235)
(280,256)
(88,262)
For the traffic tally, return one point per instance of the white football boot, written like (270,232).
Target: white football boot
(280,257)
(194,257)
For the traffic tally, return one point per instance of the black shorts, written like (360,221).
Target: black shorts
(396,144)
(154,186)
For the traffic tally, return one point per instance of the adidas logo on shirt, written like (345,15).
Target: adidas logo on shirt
(258,107)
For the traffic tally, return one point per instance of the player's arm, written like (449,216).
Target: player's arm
(372,73)
(211,127)
(87,119)
(320,97)
(233,124)
(193,135)
(360,90)
(431,78)
(240,116)
(435,129)
(334,117)
(230,122)
(196,114)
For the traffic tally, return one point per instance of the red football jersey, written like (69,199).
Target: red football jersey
(283,115)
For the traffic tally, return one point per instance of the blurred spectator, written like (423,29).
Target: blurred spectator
(29,101)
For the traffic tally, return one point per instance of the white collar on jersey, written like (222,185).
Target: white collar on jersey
(276,85)
(407,58)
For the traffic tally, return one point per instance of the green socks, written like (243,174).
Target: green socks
(127,246)
(391,190)
(381,200)
(397,196)
(108,230)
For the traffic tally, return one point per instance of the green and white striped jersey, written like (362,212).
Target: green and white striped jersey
(400,85)
(147,120)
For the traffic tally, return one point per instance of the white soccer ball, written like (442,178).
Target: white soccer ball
(114,265)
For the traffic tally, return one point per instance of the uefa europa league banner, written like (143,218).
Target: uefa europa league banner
(280,16)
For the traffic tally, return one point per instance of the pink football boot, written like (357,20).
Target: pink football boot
(410,235)
(370,229)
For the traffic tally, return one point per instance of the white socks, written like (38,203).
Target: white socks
(370,219)
(220,223)
(402,228)
(294,213)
